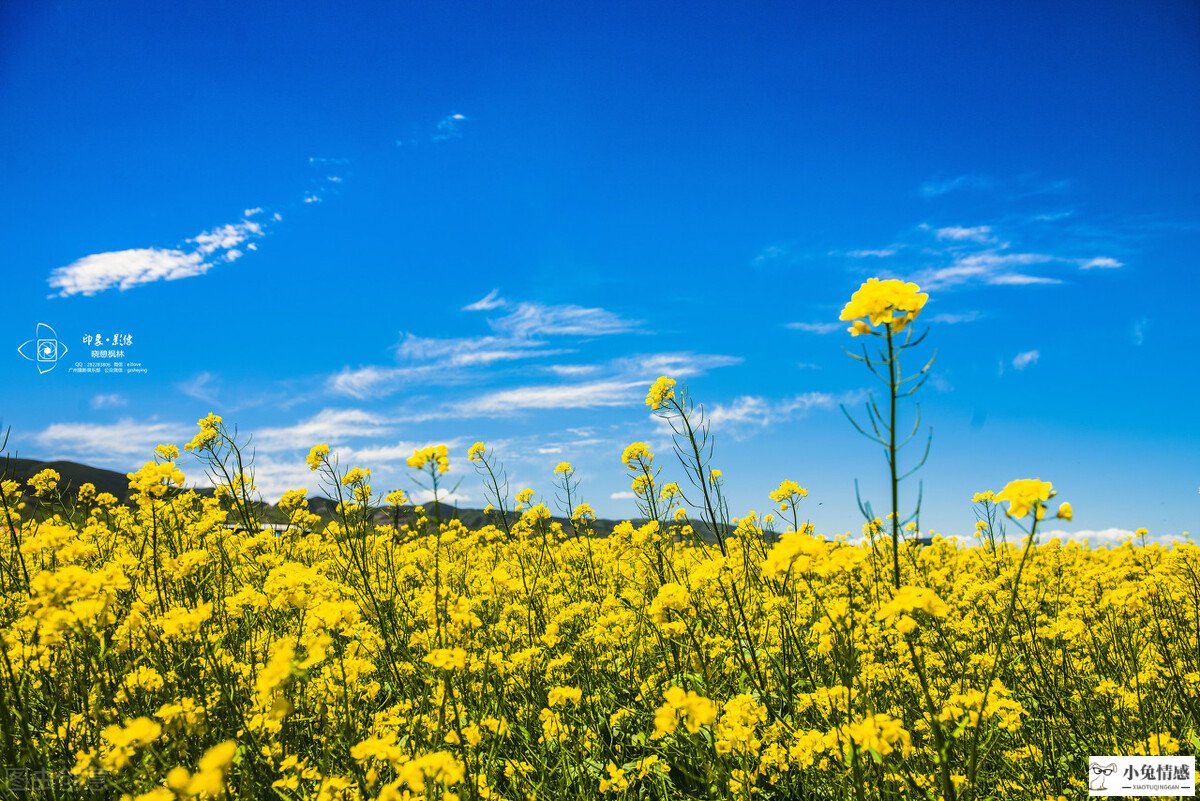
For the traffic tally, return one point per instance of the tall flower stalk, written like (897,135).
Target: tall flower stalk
(886,309)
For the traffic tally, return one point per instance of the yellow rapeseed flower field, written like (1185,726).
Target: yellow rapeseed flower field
(171,648)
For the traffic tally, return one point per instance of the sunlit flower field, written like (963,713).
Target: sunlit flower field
(172,648)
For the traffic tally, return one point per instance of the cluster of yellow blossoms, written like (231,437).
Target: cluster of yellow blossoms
(890,302)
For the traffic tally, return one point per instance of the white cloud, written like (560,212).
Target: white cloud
(491,300)
(938,188)
(751,410)
(529,320)
(979,233)
(817,328)
(202,387)
(1020,279)
(226,237)
(588,395)
(881,253)
(449,127)
(312,198)
(570,370)
(1103,262)
(989,267)
(1139,331)
(374,381)
(124,269)
(952,318)
(468,351)
(624,495)
(107,442)
(1024,359)
(395,452)
(676,365)
(1105,536)
(331,426)
(108,401)
(519,334)
(769,254)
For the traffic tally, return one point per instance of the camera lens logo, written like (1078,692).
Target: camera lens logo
(44,349)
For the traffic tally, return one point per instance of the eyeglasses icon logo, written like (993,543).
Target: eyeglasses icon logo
(45,349)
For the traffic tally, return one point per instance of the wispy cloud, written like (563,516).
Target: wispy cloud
(988,266)
(817,328)
(944,186)
(108,401)
(1101,537)
(491,300)
(953,318)
(125,269)
(771,254)
(1139,331)
(1017,186)
(201,386)
(330,426)
(955,233)
(879,253)
(621,382)
(757,411)
(449,127)
(1103,262)
(446,129)
(106,443)
(1025,359)
(521,332)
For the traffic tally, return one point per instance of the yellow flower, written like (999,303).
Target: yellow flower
(636,455)
(45,481)
(168,452)
(695,711)
(1025,494)
(209,431)
(317,456)
(475,452)
(564,468)
(356,475)
(120,742)
(890,302)
(436,457)
(714,476)
(209,778)
(154,479)
(788,494)
(1064,511)
(396,498)
(661,391)
(561,696)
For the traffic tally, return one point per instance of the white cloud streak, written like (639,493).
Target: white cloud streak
(1025,359)
(125,269)
(817,328)
(104,442)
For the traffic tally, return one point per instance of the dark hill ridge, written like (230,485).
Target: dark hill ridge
(73,475)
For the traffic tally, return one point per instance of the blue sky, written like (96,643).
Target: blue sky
(392,224)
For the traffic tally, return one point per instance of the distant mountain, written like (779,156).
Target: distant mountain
(73,475)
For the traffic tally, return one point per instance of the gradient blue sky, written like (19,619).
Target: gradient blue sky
(392,224)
